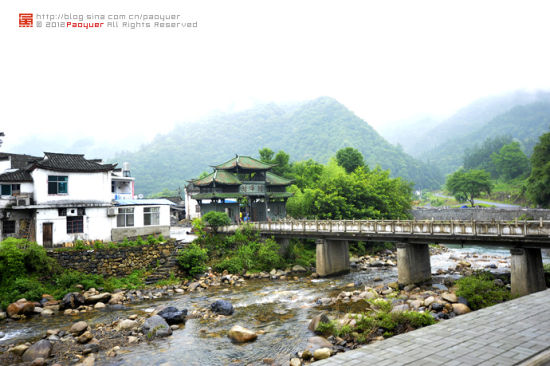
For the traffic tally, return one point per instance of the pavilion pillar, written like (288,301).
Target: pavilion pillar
(332,257)
(527,272)
(413,263)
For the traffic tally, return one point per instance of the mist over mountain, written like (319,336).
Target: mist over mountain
(523,123)
(315,129)
(419,138)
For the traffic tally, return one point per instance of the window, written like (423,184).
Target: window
(57,184)
(75,224)
(125,217)
(8,227)
(10,189)
(151,216)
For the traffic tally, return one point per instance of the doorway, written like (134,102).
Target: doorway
(47,235)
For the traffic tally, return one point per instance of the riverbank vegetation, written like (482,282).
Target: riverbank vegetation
(480,290)
(28,272)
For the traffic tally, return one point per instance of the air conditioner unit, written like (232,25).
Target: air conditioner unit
(111,211)
(23,201)
(72,212)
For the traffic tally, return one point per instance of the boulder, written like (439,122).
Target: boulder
(400,308)
(172,315)
(440,287)
(20,307)
(42,349)
(415,304)
(460,309)
(103,297)
(295,362)
(317,342)
(222,307)
(19,349)
(298,268)
(99,305)
(436,306)
(240,334)
(85,337)
(127,324)
(72,300)
(78,328)
(116,298)
(450,297)
(156,326)
(321,353)
(46,312)
(3,315)
(314,323)
(38,362)
(429,301)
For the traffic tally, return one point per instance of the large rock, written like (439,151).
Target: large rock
(298,268)
(317,342)
(78,328)
(103,297)
(240,334)
(172,315)
(116,298)
(85,337)
(156,326)
(72,300)
(314,323)
(3,315)
(460,308)
(42,349)
(450,297)
(20,307)
(127,324)
(222,307)
(321,353)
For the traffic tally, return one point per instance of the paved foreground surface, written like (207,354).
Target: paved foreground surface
(504,334)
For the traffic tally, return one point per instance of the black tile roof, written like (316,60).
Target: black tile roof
(19,161)
(17,176)
(71,163)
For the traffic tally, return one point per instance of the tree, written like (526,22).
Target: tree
(479,157)
(266,155)
(538,184)
(216,219)
(350,159)
(510,162)
(465,185)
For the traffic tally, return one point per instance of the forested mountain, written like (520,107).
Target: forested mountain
(315,129)
(523,123)
(462,123)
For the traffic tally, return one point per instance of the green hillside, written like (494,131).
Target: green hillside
(522,123)
(314,129)
(463,122)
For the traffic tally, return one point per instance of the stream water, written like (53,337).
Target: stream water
(279,309)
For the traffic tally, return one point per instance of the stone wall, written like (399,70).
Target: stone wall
(479,214)
(119,233)
(117,262)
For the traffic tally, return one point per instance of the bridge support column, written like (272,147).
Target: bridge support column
(527,273)
(413,263)
(332,257)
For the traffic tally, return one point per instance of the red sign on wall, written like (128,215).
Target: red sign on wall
(25,20)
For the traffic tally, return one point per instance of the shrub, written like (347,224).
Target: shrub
(98,245)
(152,240)
(301,253)
(11,259)
(231,264)
(79,245)
(133,281)
(326,328)
(480,290)
(192,259)
(268,256)
(68,280)
(216,219)
(161,239)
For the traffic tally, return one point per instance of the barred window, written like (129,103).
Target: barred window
(151,216)
(8,227)
(125,217)
(75,224)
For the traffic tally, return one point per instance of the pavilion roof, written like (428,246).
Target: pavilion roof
(218,176)
(244,163)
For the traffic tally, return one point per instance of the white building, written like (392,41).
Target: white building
(61,198)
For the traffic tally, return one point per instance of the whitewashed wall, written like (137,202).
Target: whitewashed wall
(81,186)
(97,226)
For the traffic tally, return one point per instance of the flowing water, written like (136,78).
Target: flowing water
(281,310)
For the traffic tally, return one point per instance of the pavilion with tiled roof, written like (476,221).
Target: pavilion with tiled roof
(243,185)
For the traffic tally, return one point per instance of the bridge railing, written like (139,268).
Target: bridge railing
(407,227)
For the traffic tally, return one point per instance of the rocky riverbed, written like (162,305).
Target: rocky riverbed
(274,309)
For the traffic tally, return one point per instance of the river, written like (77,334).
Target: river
(280,309)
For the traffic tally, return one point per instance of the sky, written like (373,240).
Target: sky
(387,61)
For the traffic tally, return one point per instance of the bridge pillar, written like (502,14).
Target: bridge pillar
(527,273)
(332,257)
(413,263)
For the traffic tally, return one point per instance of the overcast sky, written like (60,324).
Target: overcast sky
(385,60)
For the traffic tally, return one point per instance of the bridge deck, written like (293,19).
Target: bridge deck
(504,334)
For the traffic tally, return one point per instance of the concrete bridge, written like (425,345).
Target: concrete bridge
(524,238)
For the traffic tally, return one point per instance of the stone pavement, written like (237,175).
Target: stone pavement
(504,334)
